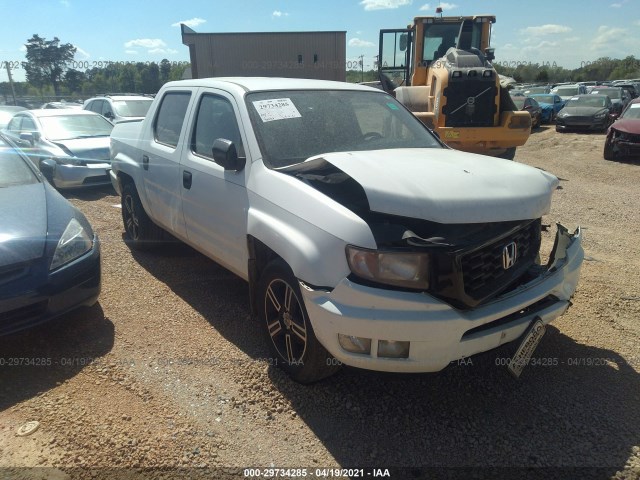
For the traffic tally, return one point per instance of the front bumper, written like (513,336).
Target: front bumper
(625,148)
(438,333)
(74,176)
(40,296)
(582,124)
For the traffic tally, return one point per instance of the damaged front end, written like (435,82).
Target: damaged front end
(462,264)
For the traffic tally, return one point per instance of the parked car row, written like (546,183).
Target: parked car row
(69,142)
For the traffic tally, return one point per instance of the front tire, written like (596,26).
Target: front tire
(287,329)
(140,230)
(608,152)
(509,154)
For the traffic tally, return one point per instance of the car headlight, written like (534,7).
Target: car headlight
(600,115)
(562,114)
(69,161)
(74,242)
(399,269)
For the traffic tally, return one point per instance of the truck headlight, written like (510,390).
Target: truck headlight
(74,242)
(399,269)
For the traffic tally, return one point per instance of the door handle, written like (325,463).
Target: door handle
(145,162)
(186,179)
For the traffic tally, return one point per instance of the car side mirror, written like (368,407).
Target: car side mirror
(225,154)
(109,115)
(31,137)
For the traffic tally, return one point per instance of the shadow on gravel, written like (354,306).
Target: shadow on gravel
(220,296)
(89,193)
(582,412)
(36,360)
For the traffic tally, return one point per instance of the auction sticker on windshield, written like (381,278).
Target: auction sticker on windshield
(526,348)
(276,109)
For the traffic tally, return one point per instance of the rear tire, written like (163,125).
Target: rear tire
(140,230)
(289,334)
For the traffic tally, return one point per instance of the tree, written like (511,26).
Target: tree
(73,80)
(47,61)
(542,76)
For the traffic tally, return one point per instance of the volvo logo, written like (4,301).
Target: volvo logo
(509,255)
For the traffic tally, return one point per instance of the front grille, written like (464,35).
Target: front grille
(578,120)
(14,317)
(471,102)
(98,179)
(483,271)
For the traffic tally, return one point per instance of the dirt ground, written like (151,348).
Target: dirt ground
(167,376)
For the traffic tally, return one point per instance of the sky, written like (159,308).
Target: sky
(568,33)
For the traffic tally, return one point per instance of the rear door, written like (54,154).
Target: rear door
(160,152)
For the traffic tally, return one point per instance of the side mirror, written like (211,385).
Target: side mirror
(31,137)
(225,154)
(490,54)
(403,42)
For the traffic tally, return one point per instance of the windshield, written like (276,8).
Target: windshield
(544,98)
(67,127)
(566,91)
(13,167)
(292,126)
(612,93)
(588,101)
(132,108)
(633,111)
(439,37)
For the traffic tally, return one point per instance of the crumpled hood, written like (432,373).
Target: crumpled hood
(446,186)
(23,229)
(628,125)
(87,148)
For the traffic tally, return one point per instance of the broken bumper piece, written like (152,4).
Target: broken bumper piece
(399,331)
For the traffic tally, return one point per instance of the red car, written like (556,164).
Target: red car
(623,136)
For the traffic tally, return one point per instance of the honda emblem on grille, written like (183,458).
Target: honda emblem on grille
(509,255)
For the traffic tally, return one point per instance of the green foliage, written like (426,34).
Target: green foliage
(356,76)
(47,61)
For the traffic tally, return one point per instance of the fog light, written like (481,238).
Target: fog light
(355,344)
(393,349)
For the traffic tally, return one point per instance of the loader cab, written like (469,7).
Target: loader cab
(426,41)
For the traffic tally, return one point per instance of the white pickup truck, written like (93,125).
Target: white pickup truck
(365,240)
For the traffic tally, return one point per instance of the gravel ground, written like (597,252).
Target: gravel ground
(167,376)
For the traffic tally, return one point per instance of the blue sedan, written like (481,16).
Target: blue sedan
(551,104)
(49,254)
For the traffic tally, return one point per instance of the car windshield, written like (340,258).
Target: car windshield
(67,127)
(545,99)
(292,126)
(633,111)
(519,101)
(132,108)
(13,167)
(587,101)
(566,91)
(612,93)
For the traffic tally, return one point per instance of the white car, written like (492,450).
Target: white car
(364,239)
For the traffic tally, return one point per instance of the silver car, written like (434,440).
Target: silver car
(69,146)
